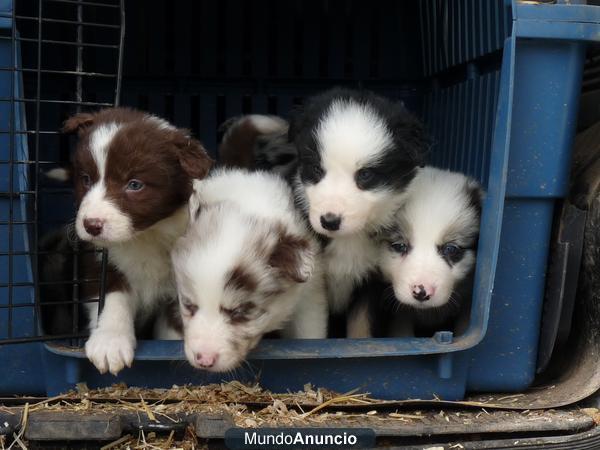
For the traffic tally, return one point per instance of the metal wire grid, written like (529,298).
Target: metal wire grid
(63,55)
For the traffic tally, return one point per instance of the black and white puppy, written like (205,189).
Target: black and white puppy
(133,176)
(357,152)
(247,265)
(427,260)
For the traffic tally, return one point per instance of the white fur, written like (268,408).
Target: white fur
(111,345)
(145,264)
(236,209)
(351,133)
(259,193)
(347,261)
(99,144)
(437,201)
(349,136)
(348,258)
(267,124)
(117,225)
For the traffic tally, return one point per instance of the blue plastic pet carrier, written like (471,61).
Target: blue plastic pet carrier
(497,83)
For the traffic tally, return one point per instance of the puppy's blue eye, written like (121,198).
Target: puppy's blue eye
(135,185)
(450,249)
(399,247)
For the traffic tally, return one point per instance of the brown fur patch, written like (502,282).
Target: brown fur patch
(241,280)
(237,148)
(165,160)
(287,255)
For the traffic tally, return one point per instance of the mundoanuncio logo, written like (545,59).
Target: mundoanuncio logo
(299,438)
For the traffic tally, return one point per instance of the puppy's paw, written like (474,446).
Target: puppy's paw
(110,351)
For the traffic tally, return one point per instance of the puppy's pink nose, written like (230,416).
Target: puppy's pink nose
(422,292)
(207,359)
(93,226)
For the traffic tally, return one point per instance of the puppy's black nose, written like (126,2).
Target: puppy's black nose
(93,226)
(331,221)
(419,293)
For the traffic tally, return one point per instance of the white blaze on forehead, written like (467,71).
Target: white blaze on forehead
(440,205)
(99,144)
(229,233)
(351,134)
(117,224)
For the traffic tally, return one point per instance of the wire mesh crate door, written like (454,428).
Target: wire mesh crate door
(57,58)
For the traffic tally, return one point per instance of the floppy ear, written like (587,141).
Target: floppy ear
(293,256)
(78,122)
(193,158)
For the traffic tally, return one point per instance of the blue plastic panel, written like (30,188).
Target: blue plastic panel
(6,13)
(456,32)
(162,363)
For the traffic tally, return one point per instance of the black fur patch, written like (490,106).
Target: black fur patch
(372,293)
(383,308)
(453,258)
(394,168)
(474,194)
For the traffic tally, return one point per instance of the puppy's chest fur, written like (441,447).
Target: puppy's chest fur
(347,262)
(146,268)
(145,261)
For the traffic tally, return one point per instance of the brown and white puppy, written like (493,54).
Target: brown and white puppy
(258,142)
(133,176)
(247,265)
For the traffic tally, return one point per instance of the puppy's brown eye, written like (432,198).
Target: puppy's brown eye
(86,180)
(239,314)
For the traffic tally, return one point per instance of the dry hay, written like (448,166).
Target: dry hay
(249,406)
